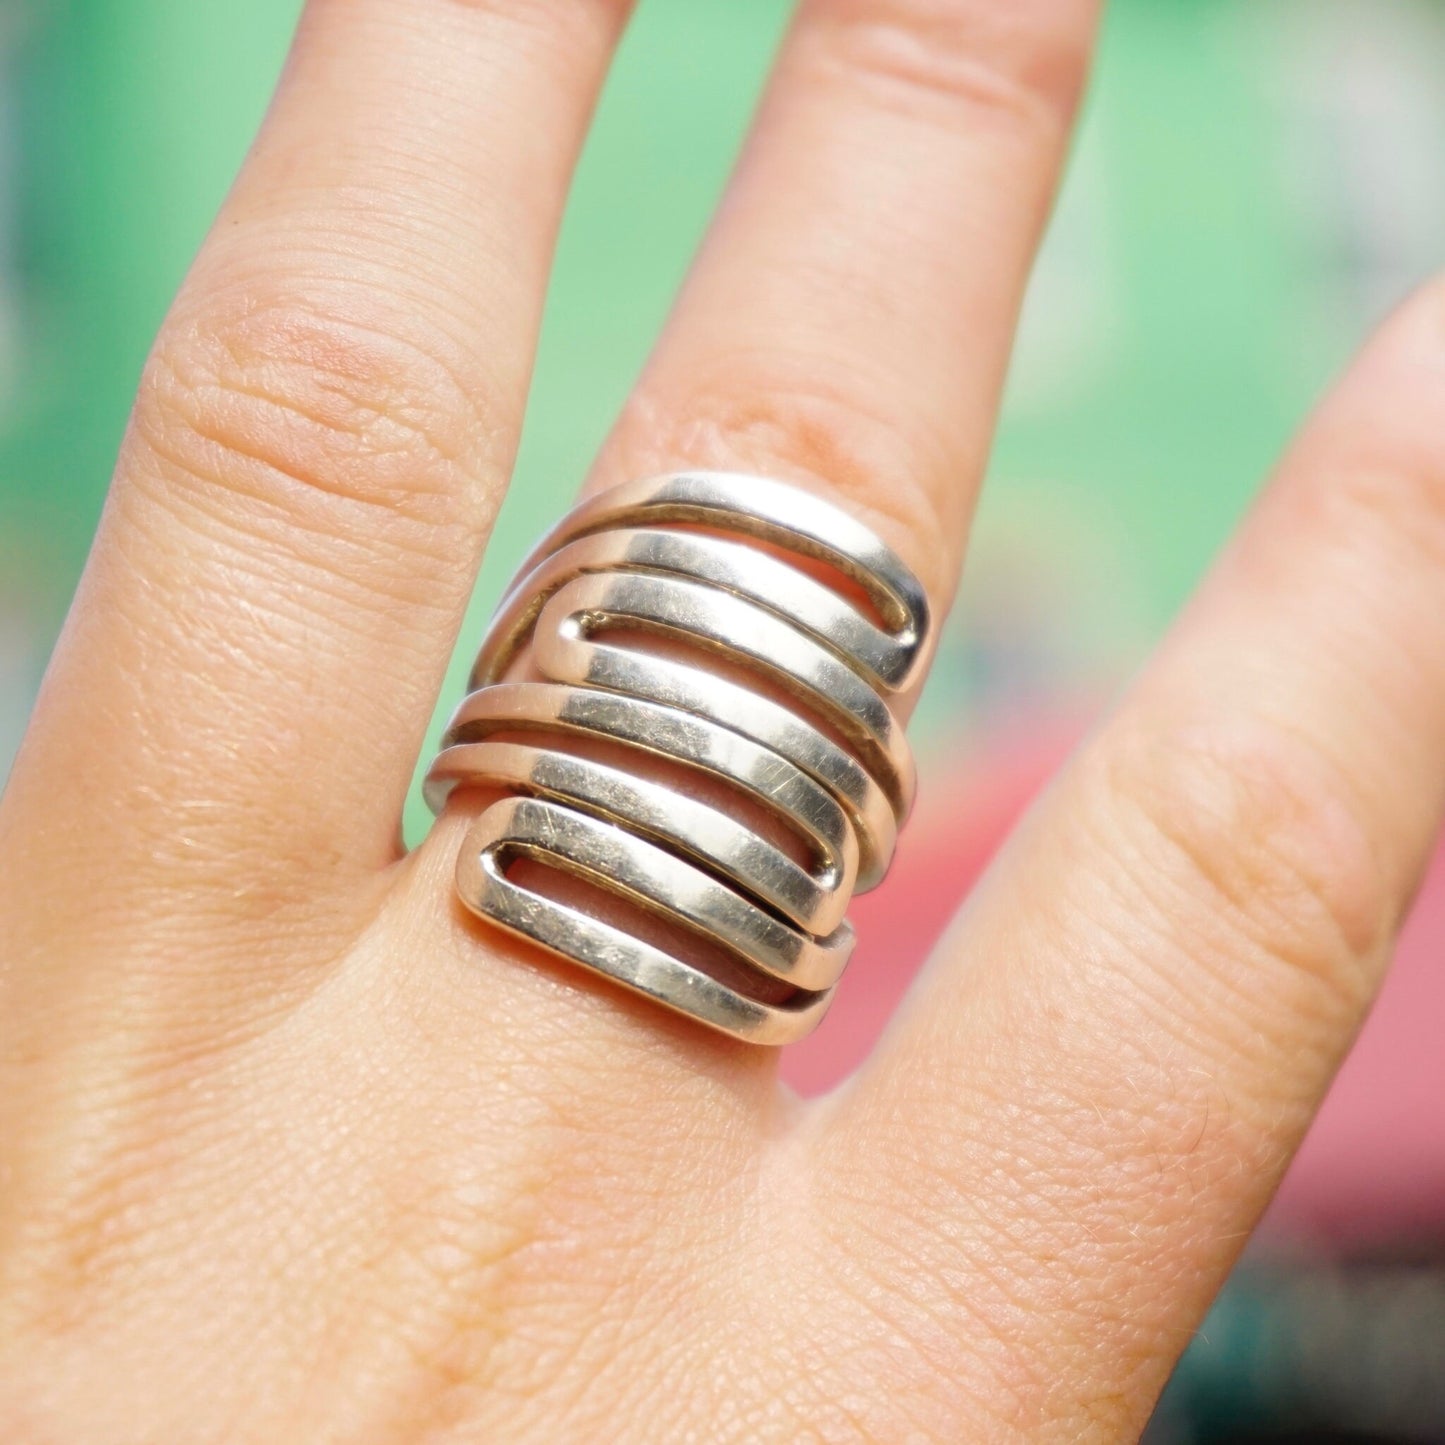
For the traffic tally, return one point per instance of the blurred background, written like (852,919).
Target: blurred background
(1257,182)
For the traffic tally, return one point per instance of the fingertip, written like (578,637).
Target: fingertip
(1394,392)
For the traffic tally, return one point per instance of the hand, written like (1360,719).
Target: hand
(294,1151)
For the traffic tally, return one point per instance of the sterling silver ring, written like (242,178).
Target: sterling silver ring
(685,696)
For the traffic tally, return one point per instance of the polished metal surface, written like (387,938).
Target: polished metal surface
(697,727)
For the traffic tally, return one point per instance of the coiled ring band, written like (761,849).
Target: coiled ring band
(741,639)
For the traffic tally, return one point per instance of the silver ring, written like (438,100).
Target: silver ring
(707,756)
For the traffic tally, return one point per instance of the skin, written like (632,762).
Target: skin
(293,1151)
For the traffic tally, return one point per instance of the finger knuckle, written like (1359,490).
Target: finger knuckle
(1015,64)
(1371,478)
(813,434)
(1259,852)
(289,400)
(1380,507)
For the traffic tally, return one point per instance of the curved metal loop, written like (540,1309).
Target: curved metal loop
(878,656)
(713,840)
(788,517)
(744,634)
(484,888)
(676,684)
(620,610)
(623,864)
(776,784)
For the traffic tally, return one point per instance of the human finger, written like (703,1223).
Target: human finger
(1090,1096)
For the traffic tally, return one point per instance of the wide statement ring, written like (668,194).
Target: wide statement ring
(706,766)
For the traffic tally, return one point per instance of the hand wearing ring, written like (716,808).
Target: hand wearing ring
(305,1139)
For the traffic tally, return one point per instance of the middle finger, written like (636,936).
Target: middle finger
(848,324)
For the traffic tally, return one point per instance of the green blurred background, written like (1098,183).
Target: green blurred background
(1257,181)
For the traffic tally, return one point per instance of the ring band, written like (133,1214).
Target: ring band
(746,637)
